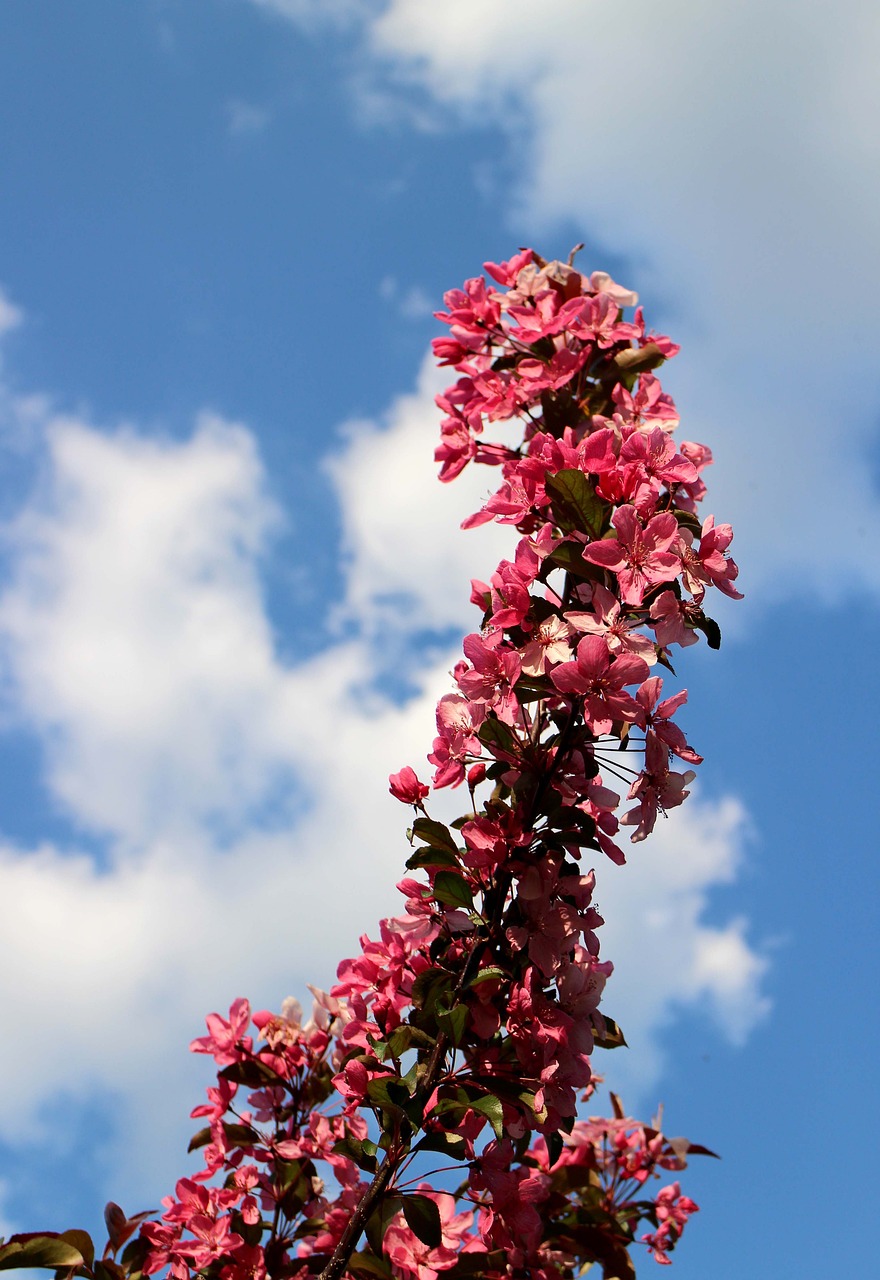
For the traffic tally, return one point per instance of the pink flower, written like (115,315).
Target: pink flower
(658,719)
(606,620)
(672,619)
(494,672)
(406,787)
(548,646)
(226,1040)
(710,564)
(601,680)
(639,555)
(656,789)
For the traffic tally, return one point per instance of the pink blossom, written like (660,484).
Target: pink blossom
(549,645)
(495,670)
(672,620)
(600,678)
(405,786)
(658,719)
(656,789)
(639,555)
(607,619)
(226,1040)
(710,564)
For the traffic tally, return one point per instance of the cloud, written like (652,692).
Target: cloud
(727,157)
(314,14)
(236,831)
(412,303)
(245,119)
(11,316)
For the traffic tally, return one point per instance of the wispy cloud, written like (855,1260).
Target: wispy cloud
(246,119)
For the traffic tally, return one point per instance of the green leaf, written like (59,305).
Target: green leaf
(712,632)
(251,1072)
(452,890)
(449,1144)
(82,1241)
(362,1153)
(498,737)
(240,1135)
(489,974)
(570,557)
(33,1250)
(490,1107)
(404,1037)
(388,1093)
(200,1139)
(431,987)
(368,1267)
(432,857)
(454,1022)
(613,1037)
(379,1220)
(434,834)
(423,1219)
(576,504)
(687,520)
(639,359)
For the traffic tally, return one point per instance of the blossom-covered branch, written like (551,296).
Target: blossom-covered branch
(425,1120)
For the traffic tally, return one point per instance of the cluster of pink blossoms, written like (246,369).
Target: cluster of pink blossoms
(463,1035)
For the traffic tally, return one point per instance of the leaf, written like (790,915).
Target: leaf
(639,359)
(449,1144)
(35,1250)
(570,557)
(491,973)
(576,503)
(613,1037)
(711,630)
(82,1241)
(108,1269)
(380,1219)
(368,1266)
(490,1107)
(251,1072)
(453,1023)
(388,1093)
(423,1219)
(362,1153)
(430,987)
(200,1139)
(687,520)
(434,834)
(432,857)
(554,1147)
(404,1037)
(453,890)
(499,738)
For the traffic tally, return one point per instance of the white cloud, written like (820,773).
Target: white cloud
(413,303)
(136,646)
(730,156)
(312,14)
(11,316)
(245,119)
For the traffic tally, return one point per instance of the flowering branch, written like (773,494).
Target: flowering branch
(464,1034)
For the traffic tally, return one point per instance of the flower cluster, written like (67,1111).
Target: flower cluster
(463,1036)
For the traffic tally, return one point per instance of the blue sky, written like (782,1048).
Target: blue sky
(230,586)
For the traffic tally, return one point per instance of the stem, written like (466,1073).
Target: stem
(358,1220)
